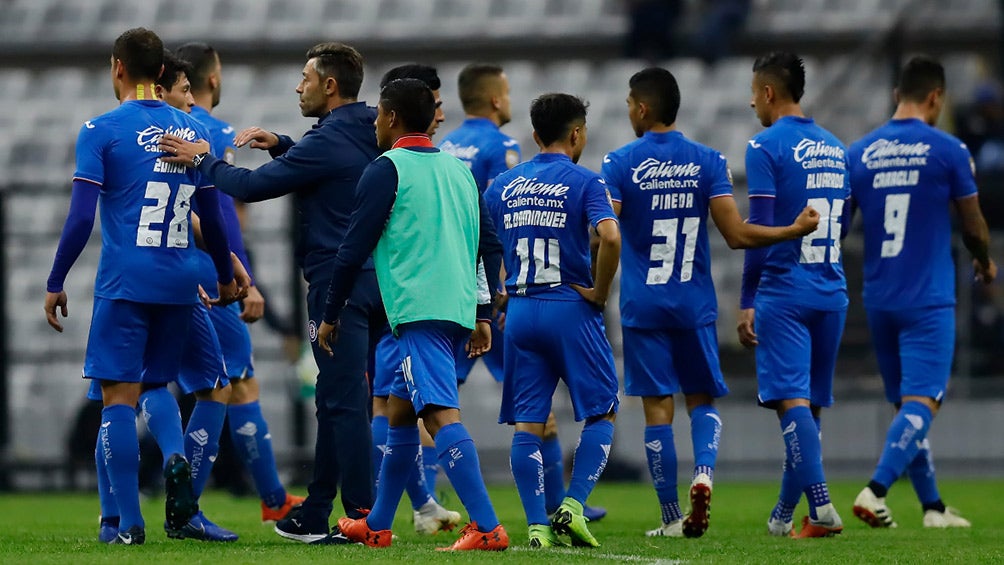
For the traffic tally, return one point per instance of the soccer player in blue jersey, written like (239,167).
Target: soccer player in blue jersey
(794,296)
(248,429)
(419,214)
(663,185)
(479,142)
(429,516)
(544,210)
(905,176)
(147,277)
(321,171)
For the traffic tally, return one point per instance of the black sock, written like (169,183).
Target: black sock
(936,505)
(879,490)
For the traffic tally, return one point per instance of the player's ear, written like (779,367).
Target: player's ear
(536,139)
(330,86)
(214,81)
(895,96)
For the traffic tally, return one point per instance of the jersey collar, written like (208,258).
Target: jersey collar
(413,140)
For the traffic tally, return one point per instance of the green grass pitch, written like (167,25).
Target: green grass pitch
(62,528)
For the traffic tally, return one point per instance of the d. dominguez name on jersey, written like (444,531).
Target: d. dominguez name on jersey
(653,174)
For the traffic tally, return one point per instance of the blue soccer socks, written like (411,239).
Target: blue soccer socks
(253,444)
(805,455)
(907,429)
(705,433)
(527,463)
(459,458)
(554,473)
(590,458)
(202,440)
(160,412)
(119,446)
(399,462)
(660,451)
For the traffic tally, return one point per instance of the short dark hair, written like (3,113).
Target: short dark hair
(141,53)
(920,76)
(341,62)
(553,115)
(202,60)
(471,85)
(424,73)
(412,101)
(784,69)
(173,66)
(659,90)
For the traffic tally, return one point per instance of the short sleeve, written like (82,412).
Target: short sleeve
(721,177)
(597,201)
(610,171)
(963,172)
(505,157)
(91,144)
(759,170)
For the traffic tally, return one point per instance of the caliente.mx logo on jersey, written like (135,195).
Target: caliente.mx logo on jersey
(150,137)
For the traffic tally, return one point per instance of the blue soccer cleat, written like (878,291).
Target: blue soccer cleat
(202,529)
(593,513)
(108,529)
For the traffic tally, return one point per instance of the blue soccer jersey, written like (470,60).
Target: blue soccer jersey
(904,175)
(543,209)
(147,253)
(798,163)
(664,183)
(480,144)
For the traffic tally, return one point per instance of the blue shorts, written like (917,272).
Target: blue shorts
(386,364)
(547,340)
(134,342)
(914,350)
(235,340)
(202,366)
(665,362)
(797,353)
(493,359)
(428,369)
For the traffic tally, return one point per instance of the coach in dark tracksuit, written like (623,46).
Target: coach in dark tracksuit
(322,170)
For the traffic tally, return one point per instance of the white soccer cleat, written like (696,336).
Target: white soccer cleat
(779,528)
(948,519)
(872,510)
(673,529)
(432,518)
(697,522)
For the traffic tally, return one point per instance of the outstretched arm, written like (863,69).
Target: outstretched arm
(745,235)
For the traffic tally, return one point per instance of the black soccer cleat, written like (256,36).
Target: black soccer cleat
(181,505)
(135,535)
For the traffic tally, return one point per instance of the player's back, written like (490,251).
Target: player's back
(904,175)
(664,183)
(482,146)
(542,210)
(798,163)
(148,254)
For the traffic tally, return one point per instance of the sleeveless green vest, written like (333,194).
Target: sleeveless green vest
(426,258)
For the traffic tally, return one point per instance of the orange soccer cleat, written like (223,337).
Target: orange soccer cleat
(472,539)
(357,530)
(269,515)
